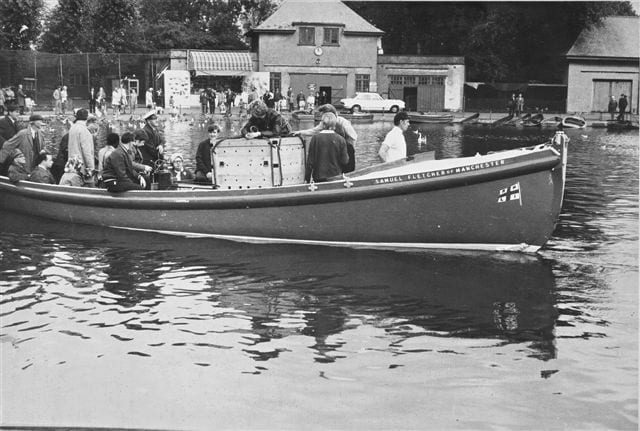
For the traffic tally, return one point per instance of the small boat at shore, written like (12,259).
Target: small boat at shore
(422,117)
(534,121)
(574,122)
(502,201)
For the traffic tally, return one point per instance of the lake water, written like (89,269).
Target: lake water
(104,328)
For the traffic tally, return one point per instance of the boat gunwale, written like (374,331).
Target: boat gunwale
(348,189)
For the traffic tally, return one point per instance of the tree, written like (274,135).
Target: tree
(69,28)
(501,41)
(20,23)
(115,24)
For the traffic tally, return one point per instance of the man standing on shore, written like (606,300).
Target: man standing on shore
(622,106)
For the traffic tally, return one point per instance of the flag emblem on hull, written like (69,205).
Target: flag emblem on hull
(511,193)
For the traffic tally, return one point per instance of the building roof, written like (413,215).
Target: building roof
(616,37)
(299,12)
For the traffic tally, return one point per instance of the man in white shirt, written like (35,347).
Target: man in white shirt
(394,147)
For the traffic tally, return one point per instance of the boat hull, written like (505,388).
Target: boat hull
(454,208)
(430,118)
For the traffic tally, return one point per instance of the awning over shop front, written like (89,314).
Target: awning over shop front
(220,63)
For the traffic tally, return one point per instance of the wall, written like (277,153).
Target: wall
(580,82)
(450,67)
(355,55)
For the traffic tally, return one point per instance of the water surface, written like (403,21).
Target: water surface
(101,327)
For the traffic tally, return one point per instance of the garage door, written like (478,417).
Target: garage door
(604,89)
(337,83)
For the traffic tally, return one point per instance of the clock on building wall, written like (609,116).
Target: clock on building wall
(317,51)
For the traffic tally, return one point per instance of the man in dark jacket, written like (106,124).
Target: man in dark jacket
(9,124)
(264,122)
(622,106)
(153,148)
(118,174)
(204,172)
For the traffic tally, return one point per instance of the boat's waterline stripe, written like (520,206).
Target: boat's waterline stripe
(518,248)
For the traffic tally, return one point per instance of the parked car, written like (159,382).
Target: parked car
(372,102)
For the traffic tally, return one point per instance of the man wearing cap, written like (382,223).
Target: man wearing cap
(394,146)
(9,124)
(264,122)
(343,128)
(29,141)
(154,141)
(81,147)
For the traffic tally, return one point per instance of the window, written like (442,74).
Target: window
(275,83)
(307,36)
(402,79)
(331,36)
(362,83)
(431,80)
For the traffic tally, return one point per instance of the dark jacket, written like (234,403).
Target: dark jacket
(119,166)
(61,158)
(622,104)
(41,175)
(272,122)
(327,156)
(8,129)
(203,157)
(153,140)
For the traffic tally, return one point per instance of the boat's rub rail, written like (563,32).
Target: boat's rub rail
(335,191)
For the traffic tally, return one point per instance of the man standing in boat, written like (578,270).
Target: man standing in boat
(81,147)
(29,141)
(327,152)
(394,146)
(154,142)
(9,124)
(204,172)
(264,122)
(343,128)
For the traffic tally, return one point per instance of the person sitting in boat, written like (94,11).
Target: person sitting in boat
(118,174)
(73,173)
(177,169)
(264,122)
(154,141)
(343,128)
(139,163)
(18,168)
(394,146)
(41,173)
(113,140)
(204,168)
(327,152)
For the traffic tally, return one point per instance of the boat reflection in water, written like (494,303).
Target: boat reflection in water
(159,293)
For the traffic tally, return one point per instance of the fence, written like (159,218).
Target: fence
(41,72)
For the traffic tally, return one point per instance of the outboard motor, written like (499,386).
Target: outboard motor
(162,179)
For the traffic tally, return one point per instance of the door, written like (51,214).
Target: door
(604,89)
(410,97)
(327,91)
